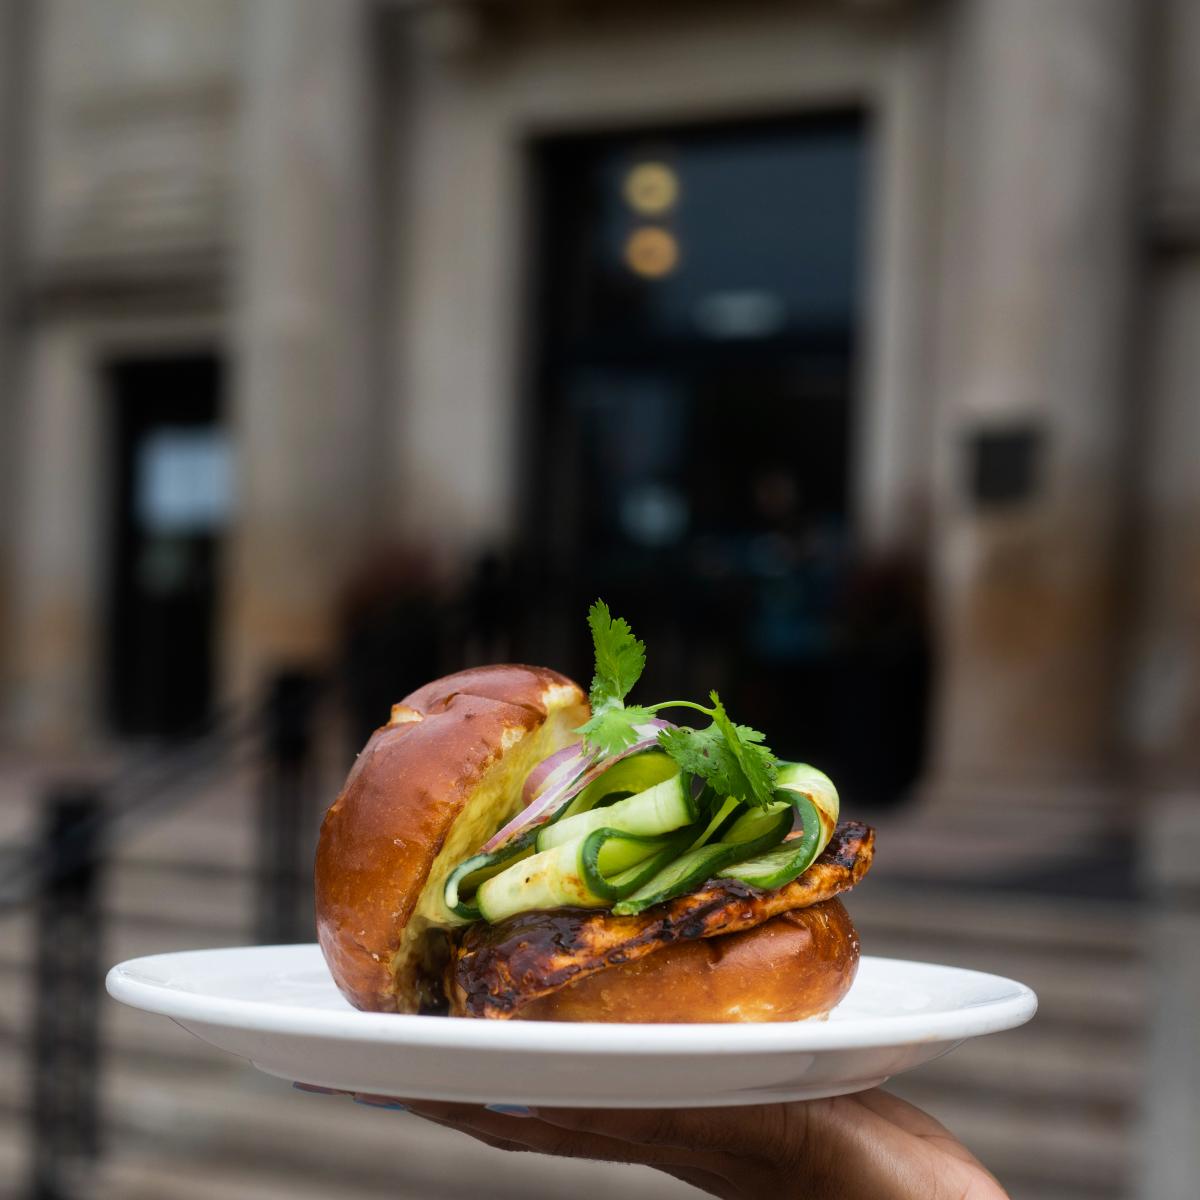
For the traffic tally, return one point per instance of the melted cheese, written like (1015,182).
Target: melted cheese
(495,801)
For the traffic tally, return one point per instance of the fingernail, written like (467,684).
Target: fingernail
(317,1091)
(510,1110)
(390,1105)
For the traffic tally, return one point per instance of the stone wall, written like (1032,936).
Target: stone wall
(131,120)
(219,169)
(306,417)
(1039,266)
(1164,555)
(126,113)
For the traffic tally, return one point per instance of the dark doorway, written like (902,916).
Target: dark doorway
(171,499)
(696,303)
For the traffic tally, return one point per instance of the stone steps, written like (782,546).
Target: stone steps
(1056,1149)
(217,898)
(234,1116)
(169,1120)
(14,1157)
(1091,1072)
(1108,929)
(1076,993)
(1047,1107)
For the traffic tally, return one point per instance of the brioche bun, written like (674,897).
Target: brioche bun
(426,791)
(796,965)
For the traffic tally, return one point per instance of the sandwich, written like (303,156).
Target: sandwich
(508,847)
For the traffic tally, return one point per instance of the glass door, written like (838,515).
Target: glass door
(171,503)
(695,321)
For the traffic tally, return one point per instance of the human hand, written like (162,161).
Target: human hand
(871,1146)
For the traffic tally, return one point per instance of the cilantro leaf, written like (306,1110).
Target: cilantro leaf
(620,658)
(611,728)
(731,757)
(700,752)
(747,746)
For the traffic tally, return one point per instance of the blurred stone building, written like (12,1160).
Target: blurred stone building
(693,303)
(275,280)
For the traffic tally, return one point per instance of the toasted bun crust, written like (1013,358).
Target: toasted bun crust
(454,747)
(796,965)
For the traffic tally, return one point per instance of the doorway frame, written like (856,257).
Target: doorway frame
(57,635)
(536,403)
(120,455)
(464,362)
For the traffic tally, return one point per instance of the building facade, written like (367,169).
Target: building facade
(331,206)
(288,283)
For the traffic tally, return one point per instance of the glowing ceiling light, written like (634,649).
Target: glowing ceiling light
(651,188)
(651,252)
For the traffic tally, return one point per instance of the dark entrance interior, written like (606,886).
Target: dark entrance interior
(172,491)
(696,299)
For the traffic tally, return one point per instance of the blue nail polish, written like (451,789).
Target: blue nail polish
(510,1110)
(389,1106)
(316,1091)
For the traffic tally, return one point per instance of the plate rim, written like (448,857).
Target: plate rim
(127,983)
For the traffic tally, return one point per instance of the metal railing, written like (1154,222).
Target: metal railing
(60,878)
(65,1040)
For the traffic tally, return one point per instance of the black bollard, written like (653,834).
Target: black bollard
(68,980)
(286,802)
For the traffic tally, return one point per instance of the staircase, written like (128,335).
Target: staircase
(186,1122)
(1048,1107)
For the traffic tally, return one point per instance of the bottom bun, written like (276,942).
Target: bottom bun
(796,965)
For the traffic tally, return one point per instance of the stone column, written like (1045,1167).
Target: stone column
(303,403)
(1165,711)
(12,43)
(1165,697)
(57,566)
(1169,1146)
(1038,254)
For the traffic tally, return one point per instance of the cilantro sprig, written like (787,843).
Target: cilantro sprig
(620,661)
(733,758)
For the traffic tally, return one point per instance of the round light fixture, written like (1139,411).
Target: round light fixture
(651,252)
(651,188)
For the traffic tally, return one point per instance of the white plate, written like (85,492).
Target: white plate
(277,1006)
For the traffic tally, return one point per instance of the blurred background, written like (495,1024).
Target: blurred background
(848,348)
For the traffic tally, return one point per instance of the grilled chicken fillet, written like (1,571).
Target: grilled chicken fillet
(496,970)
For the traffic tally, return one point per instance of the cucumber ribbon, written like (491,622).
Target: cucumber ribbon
(638,835)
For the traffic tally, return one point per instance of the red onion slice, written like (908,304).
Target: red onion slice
(558,793)
(570,761)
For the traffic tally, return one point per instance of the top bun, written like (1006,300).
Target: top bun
(427,790)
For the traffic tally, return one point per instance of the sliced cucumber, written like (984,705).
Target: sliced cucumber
(466,878)
(751,824)
(625,778)
(610,851)
(614,864)
(682,875)
(787,861)
(646,848)
(723,816)
(662,808)
(745,839)
(800,778)
(549,879)
(589,872)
